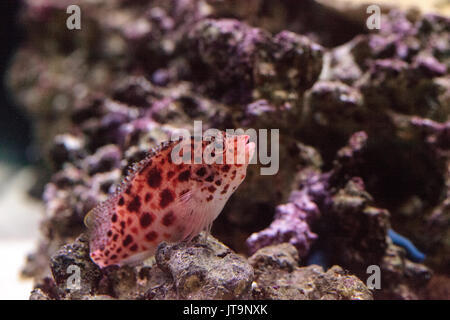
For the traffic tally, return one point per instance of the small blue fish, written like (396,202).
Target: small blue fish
(411,251)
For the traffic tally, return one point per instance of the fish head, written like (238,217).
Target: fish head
(223,169)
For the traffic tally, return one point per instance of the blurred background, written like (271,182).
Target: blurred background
(19,210)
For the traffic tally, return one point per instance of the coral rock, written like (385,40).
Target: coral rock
(277,276)
(206,271)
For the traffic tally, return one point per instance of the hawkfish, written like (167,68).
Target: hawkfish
(165,200)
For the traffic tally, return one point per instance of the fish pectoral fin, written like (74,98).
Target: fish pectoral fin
(188,215)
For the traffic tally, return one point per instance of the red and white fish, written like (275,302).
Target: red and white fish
(165,201)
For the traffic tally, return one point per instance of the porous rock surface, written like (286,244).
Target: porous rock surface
(202,269)
(278,276)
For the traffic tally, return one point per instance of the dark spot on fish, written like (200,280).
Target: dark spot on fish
(133,247)
(121,201)
(201,172)
(146,219)
(113,257)
(226,168)
(135,204)
(109,233)
(115,237)
(211,188)
(184,176)
(210,178)
(127,240)
(154,178)
(114,217)
(166,198)
(168,219)
(170,174)
(218,182)
(148,196)
(128,190)
(225,189)
(152,235)
(209,198)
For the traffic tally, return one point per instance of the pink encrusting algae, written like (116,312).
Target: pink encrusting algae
(164,200)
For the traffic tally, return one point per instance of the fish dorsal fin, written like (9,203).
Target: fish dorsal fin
(88,219)
(92,217)
(135,168)
(100,213)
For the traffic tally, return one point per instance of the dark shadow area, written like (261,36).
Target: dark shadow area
(325,26)
(15,132)
(394,172)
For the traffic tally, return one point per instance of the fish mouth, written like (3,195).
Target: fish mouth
(245,150)
(249,149)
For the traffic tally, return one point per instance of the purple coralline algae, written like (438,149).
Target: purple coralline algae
(290,225)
